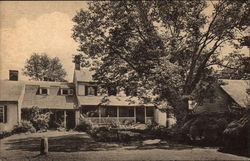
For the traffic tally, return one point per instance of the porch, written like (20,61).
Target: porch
(122,114)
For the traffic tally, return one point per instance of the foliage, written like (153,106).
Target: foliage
(39,118)
(5,134)
(206,127)
(238,67)
(23,127)
(236,135)
(42,67)
(157,131)
(84,126)
(60,125)
(108,134)
(159,49)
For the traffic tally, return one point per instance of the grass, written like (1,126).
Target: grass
(80,146)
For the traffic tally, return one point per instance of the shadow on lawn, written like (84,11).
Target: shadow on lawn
(69,143)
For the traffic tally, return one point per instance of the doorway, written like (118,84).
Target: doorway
(70,121)
(140,115)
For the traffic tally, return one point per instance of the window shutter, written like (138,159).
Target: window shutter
(95,91)
(86,90)
(5,114)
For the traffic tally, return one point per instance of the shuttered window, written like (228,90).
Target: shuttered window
(3,114)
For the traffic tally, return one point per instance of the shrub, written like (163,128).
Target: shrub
(207,128)
(39,118)
(84,126)
(41,121)
(23,127)
(128,122)
(5,134)
(236,134)
(157,131)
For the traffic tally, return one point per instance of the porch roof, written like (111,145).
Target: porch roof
(110,100)
(49,102)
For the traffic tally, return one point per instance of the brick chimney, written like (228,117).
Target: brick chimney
(77,61)
(13,75)
(77,66)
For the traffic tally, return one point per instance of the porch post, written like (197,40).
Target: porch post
(64,118)
(135,113)
(99,114)
(77,116)
(118,108)
(145,113)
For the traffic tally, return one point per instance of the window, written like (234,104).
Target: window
(90,111)
(149,111)
(44,91)
(108,111)
(112,91)
(3,114)
(130,92)
(126,111)
(90,90)
(66,91)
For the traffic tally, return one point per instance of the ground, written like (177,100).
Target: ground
(80,146)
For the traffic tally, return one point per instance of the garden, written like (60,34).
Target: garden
(228,131)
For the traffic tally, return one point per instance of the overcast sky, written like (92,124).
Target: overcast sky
(29,26)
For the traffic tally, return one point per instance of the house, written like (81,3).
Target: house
(11,96)
(228,94)
(69,102)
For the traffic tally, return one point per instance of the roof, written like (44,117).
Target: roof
(52,100)
(49,102)
(236,89)
(10,90)
(110,100)
(50,84)
(83,76)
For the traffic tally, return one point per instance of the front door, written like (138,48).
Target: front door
(140,114)
(70,123)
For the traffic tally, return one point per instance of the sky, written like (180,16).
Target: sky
(39,26)
(36,26)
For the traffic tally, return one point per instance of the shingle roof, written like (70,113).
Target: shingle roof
(110,100)
(83,76)
(10,90)
(236,89)
(52,101)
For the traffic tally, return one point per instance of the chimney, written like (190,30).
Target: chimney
(13,75)
(77,66)
(77,61)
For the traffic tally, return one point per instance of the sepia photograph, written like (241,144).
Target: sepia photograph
(127,80)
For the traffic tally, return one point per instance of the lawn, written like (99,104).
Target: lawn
(80,146)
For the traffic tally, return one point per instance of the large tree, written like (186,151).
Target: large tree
(163,49)
(43,68)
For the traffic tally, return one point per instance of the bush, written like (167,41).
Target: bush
(206,128)
(37,117)
(5,134)
(157,131)
(84,126)
(23,127)
(236,134)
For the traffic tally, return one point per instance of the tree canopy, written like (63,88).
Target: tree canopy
(162,49)
(43,68)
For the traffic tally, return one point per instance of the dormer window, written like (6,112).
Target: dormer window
(43,91)
(112,91)
(66,91)
(91,91)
